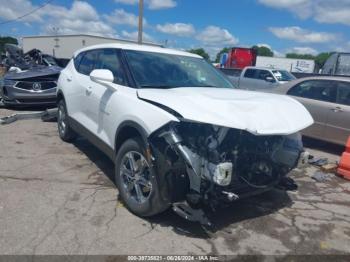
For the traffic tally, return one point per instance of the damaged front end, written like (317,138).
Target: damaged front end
(203,165)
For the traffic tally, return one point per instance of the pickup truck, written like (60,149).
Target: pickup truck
(257,78)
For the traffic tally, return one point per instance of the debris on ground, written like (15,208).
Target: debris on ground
(318,161)
(47,115)
(320,176)
(330,168)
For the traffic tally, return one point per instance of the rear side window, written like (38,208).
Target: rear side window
(249,73)
(109,59)
(343,93)
(322,90)
(87,62)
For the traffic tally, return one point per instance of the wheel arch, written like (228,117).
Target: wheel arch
(126,130)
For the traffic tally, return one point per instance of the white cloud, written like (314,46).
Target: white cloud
(178,29)
(283,3)
(12,9)
(214,35)
(161,4)
(80,18)
(127,2)
(303,50)
(333,12)
(323,11)
(300,35)
(151,4)
(121,17)
(264,45)
(214,38)
(134,35)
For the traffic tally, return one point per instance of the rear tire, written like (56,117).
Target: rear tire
(136,181)
(65,132)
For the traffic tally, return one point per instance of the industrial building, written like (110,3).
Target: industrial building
(63,46)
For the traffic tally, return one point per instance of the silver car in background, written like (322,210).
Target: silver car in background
(328,101)
(260,78)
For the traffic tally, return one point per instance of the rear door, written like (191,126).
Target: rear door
(338,124)
(318,96)
(249,79)
(84,85)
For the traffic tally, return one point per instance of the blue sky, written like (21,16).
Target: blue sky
(303,26)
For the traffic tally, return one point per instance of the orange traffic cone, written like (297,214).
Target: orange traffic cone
(344,164)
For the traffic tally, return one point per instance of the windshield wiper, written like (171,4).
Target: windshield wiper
(157,86)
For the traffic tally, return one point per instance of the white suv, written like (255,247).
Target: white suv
(179,134)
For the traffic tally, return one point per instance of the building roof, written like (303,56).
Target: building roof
(137,47)
(86,35)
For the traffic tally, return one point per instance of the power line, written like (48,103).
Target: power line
(27,14)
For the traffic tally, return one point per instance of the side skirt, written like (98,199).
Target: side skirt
(93,139)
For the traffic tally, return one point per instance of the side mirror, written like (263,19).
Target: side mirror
(270,79)
(102,76)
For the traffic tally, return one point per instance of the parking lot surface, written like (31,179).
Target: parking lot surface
(59,198)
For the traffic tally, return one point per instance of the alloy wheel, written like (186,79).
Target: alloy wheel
(135,176)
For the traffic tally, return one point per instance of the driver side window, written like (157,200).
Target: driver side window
(263,74)
(109,59)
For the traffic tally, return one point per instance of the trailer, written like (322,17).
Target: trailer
(289,64)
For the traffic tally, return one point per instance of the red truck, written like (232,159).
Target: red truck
(238,58)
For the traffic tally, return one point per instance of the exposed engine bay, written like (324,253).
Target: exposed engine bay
(209,165)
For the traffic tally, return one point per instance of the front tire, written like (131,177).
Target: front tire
(65,132)
(136,180)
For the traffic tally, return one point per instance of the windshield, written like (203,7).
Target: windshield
(283,75)
(157,70)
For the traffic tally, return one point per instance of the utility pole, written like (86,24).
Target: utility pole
(140,22)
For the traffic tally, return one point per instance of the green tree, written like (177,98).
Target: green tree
(224,50)
(321,58)
(201,52)
(300,56)
(263,51)
(6,40)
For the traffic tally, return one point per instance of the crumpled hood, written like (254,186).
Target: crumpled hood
(258,113)
(37,71)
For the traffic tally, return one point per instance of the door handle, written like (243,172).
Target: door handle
(69,79)
(337,109)
(88,90)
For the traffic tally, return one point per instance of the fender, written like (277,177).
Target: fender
(129,124)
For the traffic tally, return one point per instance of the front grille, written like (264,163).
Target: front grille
(37,100)
(30,85)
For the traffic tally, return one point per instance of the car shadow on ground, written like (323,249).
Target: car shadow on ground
(241,210)
(323,146)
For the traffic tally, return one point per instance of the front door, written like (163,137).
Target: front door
(101,95)
(338,124)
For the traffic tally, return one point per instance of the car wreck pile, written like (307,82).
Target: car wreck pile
(31,78)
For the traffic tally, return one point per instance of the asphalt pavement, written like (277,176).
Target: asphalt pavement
(59,198)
